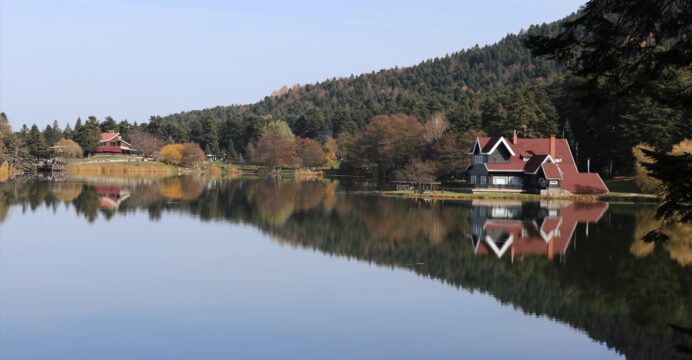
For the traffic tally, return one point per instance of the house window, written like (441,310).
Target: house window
(473,179)
(499,180)
(483,180)
(553,182)
(477,159)
(515,180)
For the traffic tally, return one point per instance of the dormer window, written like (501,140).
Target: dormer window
(526,158)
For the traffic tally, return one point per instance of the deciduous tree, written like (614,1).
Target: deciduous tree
(309,152)
(274,149)
(67,148)
(435,127)
(147,144)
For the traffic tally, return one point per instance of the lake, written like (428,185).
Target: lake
(195,268)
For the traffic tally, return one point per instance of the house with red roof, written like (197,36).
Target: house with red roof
(112,143)
(543,165)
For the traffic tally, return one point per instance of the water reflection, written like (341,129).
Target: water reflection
(525,229)
(579,263)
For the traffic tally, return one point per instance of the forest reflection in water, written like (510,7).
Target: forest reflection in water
(579,263)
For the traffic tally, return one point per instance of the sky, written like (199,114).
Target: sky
(131,59)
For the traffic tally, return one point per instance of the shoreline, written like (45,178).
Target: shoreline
(215,169)
(455,196)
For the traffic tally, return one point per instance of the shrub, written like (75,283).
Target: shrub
(172,154)
(67,148)
(186,154)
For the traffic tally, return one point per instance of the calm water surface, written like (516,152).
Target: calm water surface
(191,268)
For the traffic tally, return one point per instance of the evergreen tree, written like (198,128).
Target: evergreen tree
(52,133)
(108,124)
(68,133)
(89,135)
(210,135)
(311,124)
(36,143)
(343,122)
(231,154)
(124,128)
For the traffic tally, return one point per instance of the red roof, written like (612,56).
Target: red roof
(557,230)
(552,171)
(109,136)
(536,150)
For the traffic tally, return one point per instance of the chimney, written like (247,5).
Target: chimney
(514,137)
(552,146)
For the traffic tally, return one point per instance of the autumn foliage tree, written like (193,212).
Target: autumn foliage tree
(172,154)
(192,154)
(330,149)
(67,148)
(386,143)
(309,152)
(186,154)
(274,149)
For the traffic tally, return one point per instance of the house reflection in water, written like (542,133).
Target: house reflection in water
(110,197)
(514,228)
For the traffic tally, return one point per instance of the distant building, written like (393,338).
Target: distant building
(529,165)
(112,143)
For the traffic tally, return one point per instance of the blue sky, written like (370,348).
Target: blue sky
(60,59)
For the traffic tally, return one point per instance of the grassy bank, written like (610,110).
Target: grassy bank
(448,195)
(623,184)
(122,169)
(149,169)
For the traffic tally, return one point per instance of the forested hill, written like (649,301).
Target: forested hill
(471,87)
(446,84)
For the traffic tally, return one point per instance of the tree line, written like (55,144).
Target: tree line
(495,89)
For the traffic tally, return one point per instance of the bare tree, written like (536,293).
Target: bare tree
(147,144)
(418,172)
(435,127)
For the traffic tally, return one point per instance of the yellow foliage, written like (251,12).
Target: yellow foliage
(645,182)
(67,192)
(182,188)
(67,148)
(172,154)
(7,172)
(234,172)
(679,245)
(329,148)
(4,172)
(120,169)
(214,171)
(683,147)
